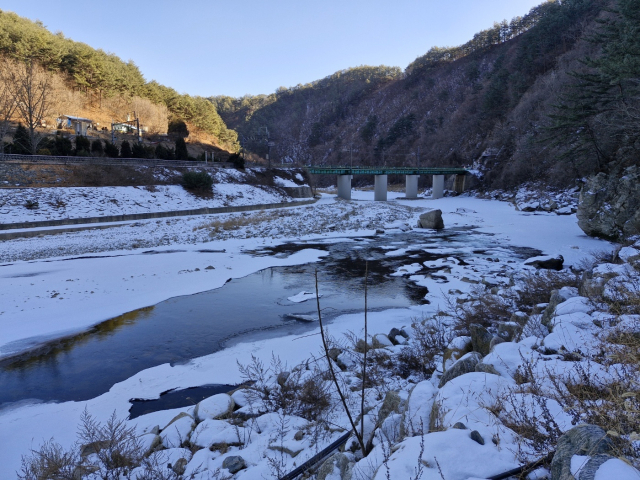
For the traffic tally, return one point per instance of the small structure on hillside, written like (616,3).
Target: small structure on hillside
(78,124)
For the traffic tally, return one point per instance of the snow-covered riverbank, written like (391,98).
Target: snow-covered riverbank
(44,298)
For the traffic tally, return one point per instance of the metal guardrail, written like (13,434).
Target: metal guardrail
(154,162)
(339,170)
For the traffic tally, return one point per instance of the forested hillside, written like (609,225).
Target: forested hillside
(103,79)
(549,96)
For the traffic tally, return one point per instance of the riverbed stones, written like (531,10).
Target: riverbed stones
(380,340)
(234,464)
(214,407)
(398,336)
(476,437)
(466,364)
(431,219)
(586,440)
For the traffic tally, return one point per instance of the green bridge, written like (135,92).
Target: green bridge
(380,190)
(388,170)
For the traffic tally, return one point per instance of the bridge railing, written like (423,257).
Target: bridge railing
(347,170)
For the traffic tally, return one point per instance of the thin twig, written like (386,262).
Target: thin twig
(333,373)
(364,363)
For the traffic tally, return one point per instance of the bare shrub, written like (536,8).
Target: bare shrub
(302,391)
(105,451)
(420,357)
(485,309)
(535,287)
(50,461)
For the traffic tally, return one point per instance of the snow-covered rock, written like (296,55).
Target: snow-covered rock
(214,407)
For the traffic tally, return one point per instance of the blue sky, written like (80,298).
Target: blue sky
(237,47)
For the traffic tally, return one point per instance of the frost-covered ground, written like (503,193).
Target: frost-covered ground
(85,202)
(46,293)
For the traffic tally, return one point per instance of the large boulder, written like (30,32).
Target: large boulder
(480,338)
(214,407)
(610,205)
(431,219)
(584,440)
(466,364)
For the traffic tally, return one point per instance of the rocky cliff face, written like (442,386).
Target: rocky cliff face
(610,205)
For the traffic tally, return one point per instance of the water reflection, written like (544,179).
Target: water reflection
(182,328)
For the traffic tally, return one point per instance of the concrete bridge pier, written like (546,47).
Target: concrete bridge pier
(411,190)
(344,186)
(380,189)
(458,183)
(438,187)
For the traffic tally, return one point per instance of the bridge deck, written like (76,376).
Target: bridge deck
(388,170)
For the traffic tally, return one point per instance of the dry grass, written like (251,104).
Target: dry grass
(237,222)
(536,287)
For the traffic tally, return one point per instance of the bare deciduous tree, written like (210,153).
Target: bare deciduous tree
(32,90)
(7,100)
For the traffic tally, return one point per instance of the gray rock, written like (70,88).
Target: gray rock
(299,435)
(380,340)
(486,368)
(509,331)
(334,353)
(180,466)
(476,437)
(391,404)
(609,205)
(480,339)
(495,341)
(339,460)
(581,440)
(459,426)
(588,472)
(466,364)
(234,463)
(397,333)
(431,219)
(282,378)
(556,299)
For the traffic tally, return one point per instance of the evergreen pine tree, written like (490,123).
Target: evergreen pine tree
(181,149)
(125,150)
(601,112)
(138,151)
(96,148)
(21,142)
